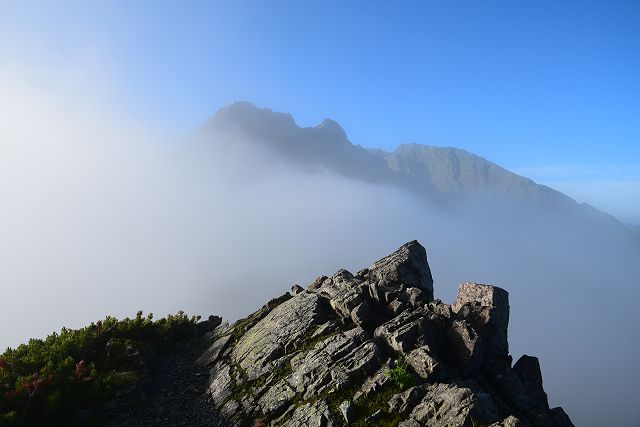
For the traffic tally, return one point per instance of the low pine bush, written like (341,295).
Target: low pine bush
(46,382)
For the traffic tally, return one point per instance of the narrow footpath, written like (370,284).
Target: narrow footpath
(176,391)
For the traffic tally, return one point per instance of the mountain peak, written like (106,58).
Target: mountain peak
(331,128)
(244,114)
(248,117)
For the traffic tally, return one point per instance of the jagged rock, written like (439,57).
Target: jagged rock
(510,421)
(396,307)
(528,370)
(218,331)
(343,291)
(277,398)
(560,418)
(209,325)
(325,329)
(377,292)
(509,385)
(374,417)
(336,362)
(437,307)
(296,289)
(363,274)
(408,265)
(404,402)
(424,364)
(221,385)
(374,382)
(320,357)
(269,339)
(464,347)
(406,331)
(213,353)
(486,308)
(414,296)
(455,405)
(315,414)
(346,409)
(230,408)
(364,316)
(318,282)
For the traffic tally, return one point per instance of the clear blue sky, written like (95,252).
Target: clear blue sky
(548,88)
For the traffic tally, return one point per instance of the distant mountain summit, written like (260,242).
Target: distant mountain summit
(424,169)
(441,175)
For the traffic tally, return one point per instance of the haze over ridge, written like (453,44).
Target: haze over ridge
(118,221)
(484,223)
(105,209)
(441,174)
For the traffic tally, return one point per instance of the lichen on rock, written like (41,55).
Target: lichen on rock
(328,355)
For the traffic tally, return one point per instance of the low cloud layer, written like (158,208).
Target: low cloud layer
(619,198)
(99,217)
(612,189)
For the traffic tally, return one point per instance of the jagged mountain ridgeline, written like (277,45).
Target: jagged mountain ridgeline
(375,349)
(444,175)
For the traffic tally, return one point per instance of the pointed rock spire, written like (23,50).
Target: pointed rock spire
(407,265)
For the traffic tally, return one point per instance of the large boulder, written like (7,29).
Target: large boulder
(408,266)
(486,308)
(337,361)
(408,330)
(528,370)
(279,330)
(508,385)
(462,404)
(425,364)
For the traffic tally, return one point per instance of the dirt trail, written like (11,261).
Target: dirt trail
(176,391)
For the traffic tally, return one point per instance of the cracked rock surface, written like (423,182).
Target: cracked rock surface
(375,348)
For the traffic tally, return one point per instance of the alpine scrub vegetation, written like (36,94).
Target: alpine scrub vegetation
(401,375)
(51,381)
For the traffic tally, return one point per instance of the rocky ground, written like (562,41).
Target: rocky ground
(172,391)
(374,348)
(177,391)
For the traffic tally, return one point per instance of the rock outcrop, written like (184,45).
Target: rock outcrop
(375,348)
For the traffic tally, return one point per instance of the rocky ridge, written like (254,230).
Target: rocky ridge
(375,348)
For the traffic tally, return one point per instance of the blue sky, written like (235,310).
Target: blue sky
(549,89)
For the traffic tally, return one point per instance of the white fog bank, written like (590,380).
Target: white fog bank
(99,218)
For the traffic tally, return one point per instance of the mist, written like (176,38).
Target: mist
(100,216)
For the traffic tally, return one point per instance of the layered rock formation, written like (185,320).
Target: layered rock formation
(375,348)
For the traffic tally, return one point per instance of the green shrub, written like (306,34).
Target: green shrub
(400,375)
(45,382)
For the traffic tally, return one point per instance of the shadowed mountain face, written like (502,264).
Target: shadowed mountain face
(454,171)
(562,261)
(441,175)
(434,172)
(324,146)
